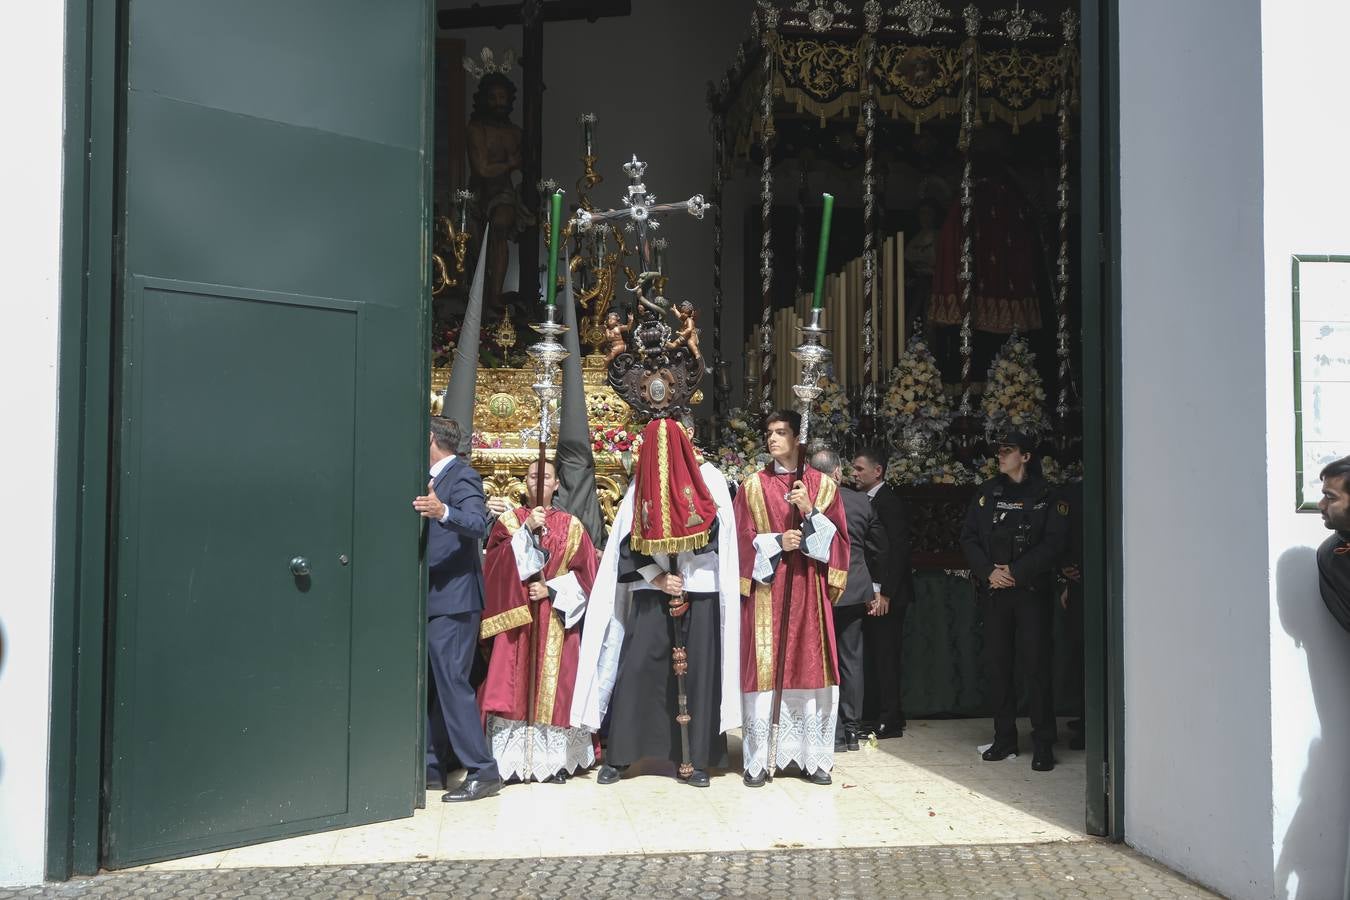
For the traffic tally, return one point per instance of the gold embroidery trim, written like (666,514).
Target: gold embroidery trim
(574,531)
(663,466)
(835,579)
(668,545)
(825,494)
(510,521)
(548,673)
(754,498)
(764,636)
(746,587)
(512,618)
(827,671)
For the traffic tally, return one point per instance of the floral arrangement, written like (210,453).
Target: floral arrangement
(738,455)
(443,341)
(832,419)
(1013,394)
(936,468)
(915,402)
(622,443)
(613,440)
(479,442)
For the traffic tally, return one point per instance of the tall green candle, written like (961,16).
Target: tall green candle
(555,238)
(826,213)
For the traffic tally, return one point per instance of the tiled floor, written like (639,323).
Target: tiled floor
(928,788)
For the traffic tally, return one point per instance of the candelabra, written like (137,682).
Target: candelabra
(547,353)
(813,355)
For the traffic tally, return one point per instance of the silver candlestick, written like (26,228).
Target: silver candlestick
(813,355)
(547,355)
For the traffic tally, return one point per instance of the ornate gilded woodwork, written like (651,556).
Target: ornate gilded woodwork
(506,419)
(915,75)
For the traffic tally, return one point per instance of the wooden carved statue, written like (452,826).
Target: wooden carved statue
(496,157)
(615,331)
(688,333)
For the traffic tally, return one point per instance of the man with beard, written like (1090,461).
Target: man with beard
(1333,557)
(668,578)
(794,556)
(495,156)
(539,568)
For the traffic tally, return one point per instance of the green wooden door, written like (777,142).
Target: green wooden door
(265,664)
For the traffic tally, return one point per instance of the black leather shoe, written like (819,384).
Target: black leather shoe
(473,789)
(890,730)
(1043,759)
(698,778)
(841,745)
(558,777)
(999,751)
(754,780)
(819,776)
(609,774)
(851,739)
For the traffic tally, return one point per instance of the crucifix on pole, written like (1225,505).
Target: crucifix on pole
(531,15)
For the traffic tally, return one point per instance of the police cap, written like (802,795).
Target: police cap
(1014,438)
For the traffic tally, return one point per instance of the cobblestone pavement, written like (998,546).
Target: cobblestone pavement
(1080,869)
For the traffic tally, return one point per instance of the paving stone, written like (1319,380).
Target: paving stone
(1069,869)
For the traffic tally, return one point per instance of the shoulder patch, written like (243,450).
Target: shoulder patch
(1062,507)
(982,499)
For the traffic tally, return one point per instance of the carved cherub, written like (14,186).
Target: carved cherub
(688,333)
(614,334)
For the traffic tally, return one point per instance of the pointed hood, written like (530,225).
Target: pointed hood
(459,393)
(574,460)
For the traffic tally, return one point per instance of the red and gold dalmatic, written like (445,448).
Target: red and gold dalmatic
(811,669)
(504,696)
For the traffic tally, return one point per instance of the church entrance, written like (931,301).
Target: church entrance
(290,276)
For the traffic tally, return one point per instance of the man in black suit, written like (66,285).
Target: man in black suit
(457,521)
(883,634)
(861,598)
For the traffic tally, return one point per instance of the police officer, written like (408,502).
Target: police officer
(1013,539)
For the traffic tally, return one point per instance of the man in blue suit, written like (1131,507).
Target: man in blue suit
(457,521)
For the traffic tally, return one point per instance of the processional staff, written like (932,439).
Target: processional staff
(547,353)
(658,375)
(813,356)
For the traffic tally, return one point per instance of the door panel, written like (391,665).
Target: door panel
(273,296)
(240,457)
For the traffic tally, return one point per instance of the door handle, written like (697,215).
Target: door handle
(299,566)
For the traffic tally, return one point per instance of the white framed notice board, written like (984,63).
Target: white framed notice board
(1321,368)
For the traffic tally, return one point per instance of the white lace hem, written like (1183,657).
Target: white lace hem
(555,748)
(805,729)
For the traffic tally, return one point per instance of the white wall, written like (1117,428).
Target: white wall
(30,181)
(1196,580)
(1307,197)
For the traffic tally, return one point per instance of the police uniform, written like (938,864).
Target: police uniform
(1021,525)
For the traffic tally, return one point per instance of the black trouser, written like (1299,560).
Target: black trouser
(882,638)
(1017,623)
(848,638)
